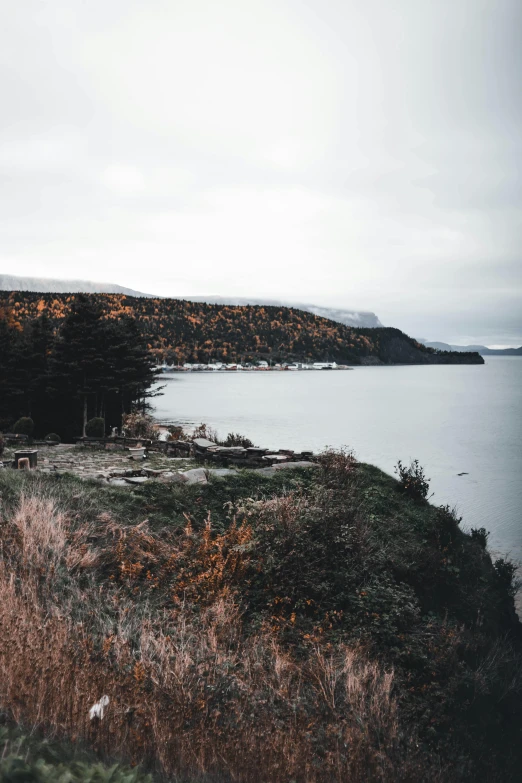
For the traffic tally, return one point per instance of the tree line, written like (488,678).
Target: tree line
(180,331)
(63,374)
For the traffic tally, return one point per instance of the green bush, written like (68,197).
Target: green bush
(53,437)
(236,439)
(140,425)
(2,444)
(29,759)
(24,426)
(480,535)
(95,428)
(506,572)
(412,480)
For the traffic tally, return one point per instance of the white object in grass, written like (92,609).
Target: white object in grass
(97,710)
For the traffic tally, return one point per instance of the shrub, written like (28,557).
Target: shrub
(53,437)
(24,426)
(236,439)
(445,528)
(338,465)
(140,425)
(506,573)
(480,535)
(412,480)
(95,428)
(232,439)
(205,431)
(2,444)
(177,432)
(26,757)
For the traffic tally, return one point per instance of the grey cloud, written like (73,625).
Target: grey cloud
(372,146)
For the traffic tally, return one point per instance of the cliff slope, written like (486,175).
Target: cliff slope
(319,626)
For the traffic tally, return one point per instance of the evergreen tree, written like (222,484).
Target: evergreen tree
(133,366)
(129,373)
(12,375)
(79,367)
(103,366)
(40,342)
(7,392)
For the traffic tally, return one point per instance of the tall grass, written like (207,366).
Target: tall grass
(189,691)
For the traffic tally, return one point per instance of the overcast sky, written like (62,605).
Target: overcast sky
(362,153)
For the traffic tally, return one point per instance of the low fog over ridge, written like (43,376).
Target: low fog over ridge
(46,285)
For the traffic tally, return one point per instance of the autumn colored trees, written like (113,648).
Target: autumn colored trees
(179,331)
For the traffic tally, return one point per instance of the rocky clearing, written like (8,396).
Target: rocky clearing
(118,468)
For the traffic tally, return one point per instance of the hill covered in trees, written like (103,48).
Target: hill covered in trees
(343,315)
(179,331)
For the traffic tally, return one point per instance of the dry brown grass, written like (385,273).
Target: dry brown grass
(40,528)
(189,692)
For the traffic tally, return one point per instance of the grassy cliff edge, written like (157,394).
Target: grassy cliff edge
(314,626)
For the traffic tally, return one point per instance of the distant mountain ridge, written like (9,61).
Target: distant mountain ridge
(349,317)
(48,285)
(483,350)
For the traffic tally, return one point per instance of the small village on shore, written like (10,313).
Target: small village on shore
(261,366)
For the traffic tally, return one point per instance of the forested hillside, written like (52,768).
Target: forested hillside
(179,331)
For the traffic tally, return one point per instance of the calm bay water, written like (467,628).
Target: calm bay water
(454,419)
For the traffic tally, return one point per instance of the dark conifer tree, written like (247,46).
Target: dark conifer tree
(79,367)
(130,370)
(11,395)
(41,341)
(101,366)
(14,369)
(134,367)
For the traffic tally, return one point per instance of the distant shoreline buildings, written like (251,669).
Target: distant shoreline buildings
(248,367)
